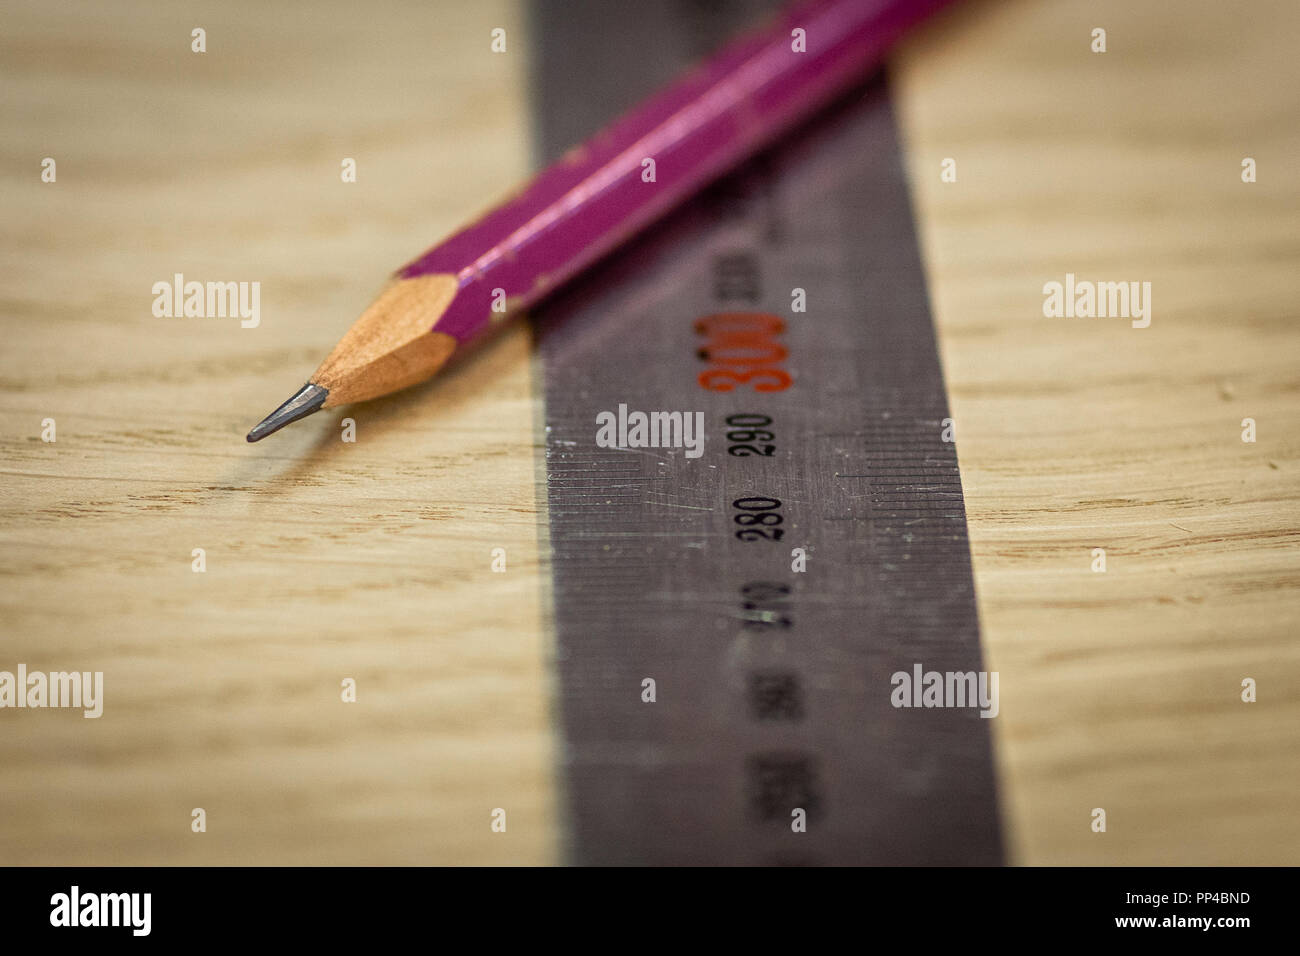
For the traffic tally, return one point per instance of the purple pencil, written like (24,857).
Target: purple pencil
(600,194)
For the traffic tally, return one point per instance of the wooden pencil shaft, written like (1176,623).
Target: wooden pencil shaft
(607,189)
(610,187)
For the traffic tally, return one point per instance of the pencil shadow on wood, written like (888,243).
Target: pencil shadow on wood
(668,256)
(473,370)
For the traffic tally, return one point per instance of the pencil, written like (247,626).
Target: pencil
(600,194)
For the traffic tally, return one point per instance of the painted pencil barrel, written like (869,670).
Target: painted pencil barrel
(623,178)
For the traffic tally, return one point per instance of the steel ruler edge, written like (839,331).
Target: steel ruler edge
(772,686)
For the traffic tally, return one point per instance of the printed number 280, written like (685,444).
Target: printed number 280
(760,516)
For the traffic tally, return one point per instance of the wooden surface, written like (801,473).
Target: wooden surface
(372,560)
(1121,690)
(325,560)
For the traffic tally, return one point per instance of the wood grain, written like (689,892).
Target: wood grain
(325,560)
(1121,690)
(371,560)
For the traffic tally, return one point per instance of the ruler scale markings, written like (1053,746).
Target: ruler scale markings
(773,687)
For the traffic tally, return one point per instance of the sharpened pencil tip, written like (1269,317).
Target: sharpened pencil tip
(308,399)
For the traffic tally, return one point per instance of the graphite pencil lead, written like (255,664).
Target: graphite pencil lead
(308,400)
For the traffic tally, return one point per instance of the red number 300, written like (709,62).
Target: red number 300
(741,349)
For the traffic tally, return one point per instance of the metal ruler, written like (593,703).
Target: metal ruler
(771,685)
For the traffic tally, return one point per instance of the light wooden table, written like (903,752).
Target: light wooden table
(329,560)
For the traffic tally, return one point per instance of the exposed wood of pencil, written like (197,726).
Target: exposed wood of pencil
(604,191)
(222,689)
(325,560)
(391,346)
